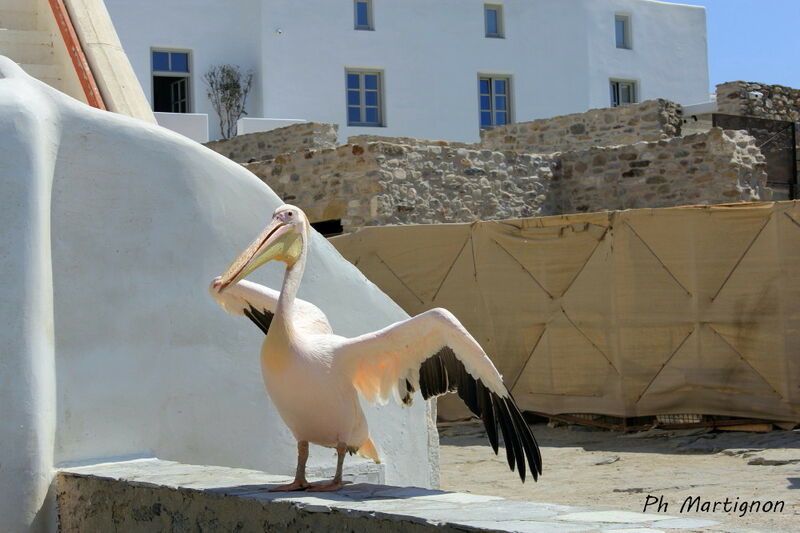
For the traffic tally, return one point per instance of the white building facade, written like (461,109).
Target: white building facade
(437,69)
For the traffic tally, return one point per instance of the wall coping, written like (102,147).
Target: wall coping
(145,493)
(583,116)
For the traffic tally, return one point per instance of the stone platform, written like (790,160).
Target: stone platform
(149,495)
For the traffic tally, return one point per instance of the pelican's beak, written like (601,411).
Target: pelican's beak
(279,241)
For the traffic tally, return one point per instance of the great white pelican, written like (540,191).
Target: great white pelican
(314,376)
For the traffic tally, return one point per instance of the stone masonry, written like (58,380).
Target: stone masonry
(379,183)
(652,120)
(270,144)
(774,102)
(771,113)
(714,167)
(617,158)
(410,141)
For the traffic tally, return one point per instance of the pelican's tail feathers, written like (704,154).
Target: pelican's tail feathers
(369,451)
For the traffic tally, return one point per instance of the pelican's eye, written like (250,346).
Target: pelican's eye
(290,214)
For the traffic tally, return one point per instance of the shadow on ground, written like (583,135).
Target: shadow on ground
(351,492)
(679,441)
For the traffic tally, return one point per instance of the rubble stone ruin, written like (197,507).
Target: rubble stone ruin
(652,154)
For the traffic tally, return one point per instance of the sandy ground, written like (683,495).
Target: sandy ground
(585,466)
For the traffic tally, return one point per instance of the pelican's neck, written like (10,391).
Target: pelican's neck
(291,283)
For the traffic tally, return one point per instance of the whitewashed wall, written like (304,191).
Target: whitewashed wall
(191,125)
(215,31)
(669,57)
(559,53)
(112,230)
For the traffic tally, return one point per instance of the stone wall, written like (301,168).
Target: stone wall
(652,120)
(374,180)
(707,168)
(434,184)
(774,102)
(147,495)
(270,144)
(327,184)
(410,141)
(378,183)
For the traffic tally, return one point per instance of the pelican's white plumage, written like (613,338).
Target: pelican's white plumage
(314,377)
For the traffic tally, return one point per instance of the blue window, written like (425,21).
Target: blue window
(161,61)
(171,81)
(623,92)
(493,18)
(495,103)
(363,12)
(179,62)
(171,61)
(364,98)
(622,31)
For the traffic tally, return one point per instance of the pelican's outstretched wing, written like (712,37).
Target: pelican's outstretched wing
(258,303)
(433,352)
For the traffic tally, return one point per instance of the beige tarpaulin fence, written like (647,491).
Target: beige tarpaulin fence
(627,313)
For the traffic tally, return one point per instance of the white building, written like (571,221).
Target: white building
(423,68)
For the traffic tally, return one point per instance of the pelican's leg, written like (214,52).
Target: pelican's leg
(299,482)
(336,484)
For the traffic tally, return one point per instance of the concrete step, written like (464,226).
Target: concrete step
(13,19)
(147,495)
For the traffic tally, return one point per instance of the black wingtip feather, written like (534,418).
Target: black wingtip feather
(489,420)
(444,372)
(509,438)
(262,319)
(519,439)
(529,441)
(469,393)
(408,393)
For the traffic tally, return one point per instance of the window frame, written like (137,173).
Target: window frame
(362,90)
(616,93)
(509,111)
(501,30)
(370,26)
(172,74)
(627,43)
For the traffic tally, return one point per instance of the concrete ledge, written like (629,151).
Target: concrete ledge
(149,495)
(191,125)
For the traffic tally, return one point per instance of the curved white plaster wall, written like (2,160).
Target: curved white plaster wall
(559,53)
(29,131)
(126,354)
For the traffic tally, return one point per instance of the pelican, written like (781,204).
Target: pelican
(314,377)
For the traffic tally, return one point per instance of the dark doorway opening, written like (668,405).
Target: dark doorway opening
(170,94)
(329,228)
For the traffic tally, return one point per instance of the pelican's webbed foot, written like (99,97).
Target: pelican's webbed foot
(295,485)
(337,482)
(330,486)
(299,482)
